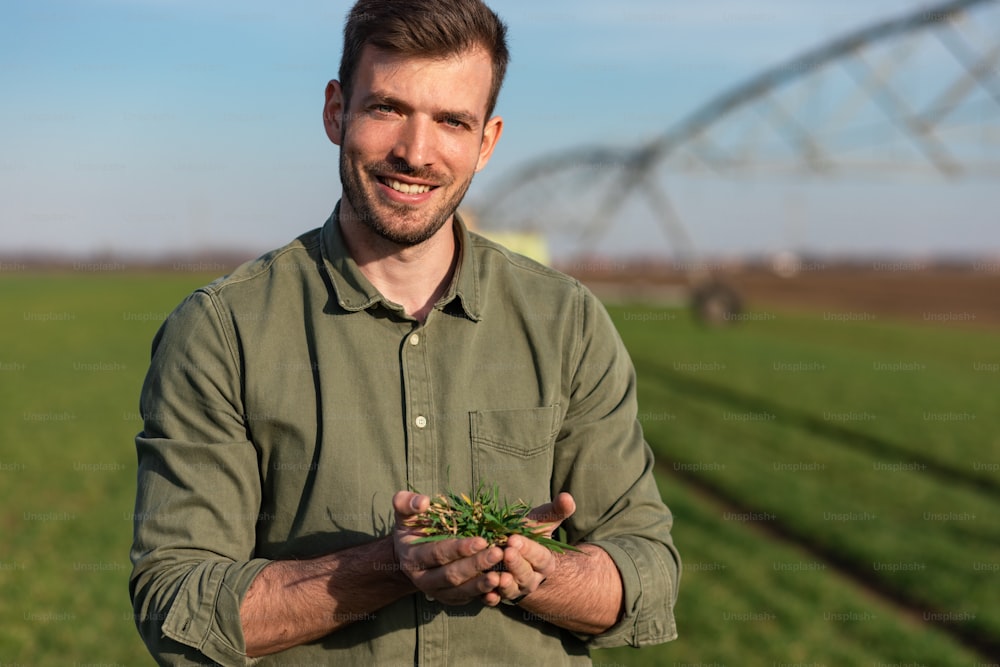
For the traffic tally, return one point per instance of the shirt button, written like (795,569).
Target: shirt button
(415,339)
(421,421)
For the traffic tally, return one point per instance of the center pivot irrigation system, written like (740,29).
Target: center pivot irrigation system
(917,93)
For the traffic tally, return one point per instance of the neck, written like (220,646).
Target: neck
(415,277)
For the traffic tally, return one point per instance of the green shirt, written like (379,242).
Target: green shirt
(287,402)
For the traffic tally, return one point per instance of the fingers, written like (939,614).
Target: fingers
(528,564)
(460,579)
(437,554)
(523,578)
(471,572)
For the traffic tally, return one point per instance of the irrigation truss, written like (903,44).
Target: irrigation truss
(915,94)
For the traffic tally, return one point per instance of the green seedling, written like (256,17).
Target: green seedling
(455,515)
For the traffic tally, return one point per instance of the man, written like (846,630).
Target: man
(293,407)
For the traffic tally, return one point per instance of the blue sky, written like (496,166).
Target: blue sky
(157,126)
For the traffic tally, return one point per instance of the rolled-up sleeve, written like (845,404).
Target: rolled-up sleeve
(198,493)
(603,459)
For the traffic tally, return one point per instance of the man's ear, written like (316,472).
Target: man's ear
(491,135)
(333,112)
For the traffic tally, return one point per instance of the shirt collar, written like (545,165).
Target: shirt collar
(355,292)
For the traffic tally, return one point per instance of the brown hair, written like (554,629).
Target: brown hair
(424,28)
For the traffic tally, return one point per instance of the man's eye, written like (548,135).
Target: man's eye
(383,108)
(453,122)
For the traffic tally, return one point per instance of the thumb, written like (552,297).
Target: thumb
(407,504)
(551,515)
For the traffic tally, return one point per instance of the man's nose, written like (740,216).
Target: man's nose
(414,143)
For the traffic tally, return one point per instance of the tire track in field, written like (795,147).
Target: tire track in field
(973,638)
(840,434)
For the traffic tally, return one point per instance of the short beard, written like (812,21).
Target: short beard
(364,206)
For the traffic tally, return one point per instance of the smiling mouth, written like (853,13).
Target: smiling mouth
(405,188)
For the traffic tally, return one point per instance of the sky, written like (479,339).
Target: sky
(154,127)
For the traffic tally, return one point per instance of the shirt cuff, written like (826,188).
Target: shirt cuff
(205,614)
(648,590)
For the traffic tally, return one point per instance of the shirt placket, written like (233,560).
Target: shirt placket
(421,462)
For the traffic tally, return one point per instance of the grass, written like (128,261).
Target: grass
(773,417)
(75,349)
(483,514)
(871,449)
(747,599)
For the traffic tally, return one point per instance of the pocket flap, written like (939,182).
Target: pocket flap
(525,432)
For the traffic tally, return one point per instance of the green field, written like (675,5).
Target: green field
(833,482)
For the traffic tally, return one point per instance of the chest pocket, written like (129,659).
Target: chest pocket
(514,450)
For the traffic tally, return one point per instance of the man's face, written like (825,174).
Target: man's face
(411,139)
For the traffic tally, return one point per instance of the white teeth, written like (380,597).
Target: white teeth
(407,188)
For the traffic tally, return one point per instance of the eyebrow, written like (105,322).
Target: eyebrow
(467,117)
